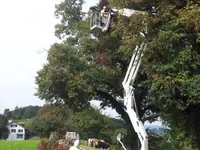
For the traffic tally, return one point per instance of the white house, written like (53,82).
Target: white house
(17,131)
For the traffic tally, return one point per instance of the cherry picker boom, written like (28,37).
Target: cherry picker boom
(129,98)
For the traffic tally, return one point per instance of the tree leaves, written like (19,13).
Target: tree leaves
(69,12)
(173,56)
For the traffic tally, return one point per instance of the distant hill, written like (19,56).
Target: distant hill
(156,130)
(22,112)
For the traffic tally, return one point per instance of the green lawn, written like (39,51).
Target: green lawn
(26,121)
(28,145)
(89,148)
(19,145)
(84,143)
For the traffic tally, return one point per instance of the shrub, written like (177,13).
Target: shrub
(53,144)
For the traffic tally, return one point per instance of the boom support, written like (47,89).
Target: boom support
(129,98)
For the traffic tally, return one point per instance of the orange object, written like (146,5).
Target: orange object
(155,77)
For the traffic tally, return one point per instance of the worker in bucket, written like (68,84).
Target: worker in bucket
(104,14)
(76,145)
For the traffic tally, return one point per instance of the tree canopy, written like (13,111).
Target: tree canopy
(82,67)
(22,112)
(4,132)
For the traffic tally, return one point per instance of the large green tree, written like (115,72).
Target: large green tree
(50,119)
(83,68)
(4,132)
(171,61)
(22,112)
(44,125)
(172,65)
(90,123)
(174,58)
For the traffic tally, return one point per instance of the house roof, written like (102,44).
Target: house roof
(19,123)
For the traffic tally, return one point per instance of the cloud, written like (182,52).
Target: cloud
(27,27)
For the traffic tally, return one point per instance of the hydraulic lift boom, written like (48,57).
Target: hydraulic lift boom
(129,98)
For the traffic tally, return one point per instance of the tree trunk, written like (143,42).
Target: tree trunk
(196,113)
(116,105)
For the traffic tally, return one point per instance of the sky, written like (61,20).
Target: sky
(26,30)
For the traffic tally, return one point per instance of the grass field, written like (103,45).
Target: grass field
(26,121)
(19,145)
(27,145)
(89,148)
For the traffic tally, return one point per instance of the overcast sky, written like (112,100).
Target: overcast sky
(26,29)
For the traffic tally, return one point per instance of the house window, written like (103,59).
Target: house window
(13,130)
(20,130)
(13,125)
(19,136)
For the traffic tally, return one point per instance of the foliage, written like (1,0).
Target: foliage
(90,123)
(61,112)
(4,132)
(144,5)
(69,12)
(117,123)
(115,143)
(69,85)
(116,132)
(28,134)
(82,68)
(171,62)
(173,55)
(174,139)
(49,119)
(44,125)
(27,122)
(53,144)
(22,112)
(103,3)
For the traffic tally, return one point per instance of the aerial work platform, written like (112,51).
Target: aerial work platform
(101,23)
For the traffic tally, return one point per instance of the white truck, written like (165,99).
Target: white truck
(72,136)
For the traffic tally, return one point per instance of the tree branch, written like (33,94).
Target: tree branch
(120,109)
(149,107)
(150,117)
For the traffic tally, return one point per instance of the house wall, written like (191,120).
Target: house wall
(17,132)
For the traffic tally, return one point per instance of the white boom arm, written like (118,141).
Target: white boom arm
(126,12)
(129,98)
